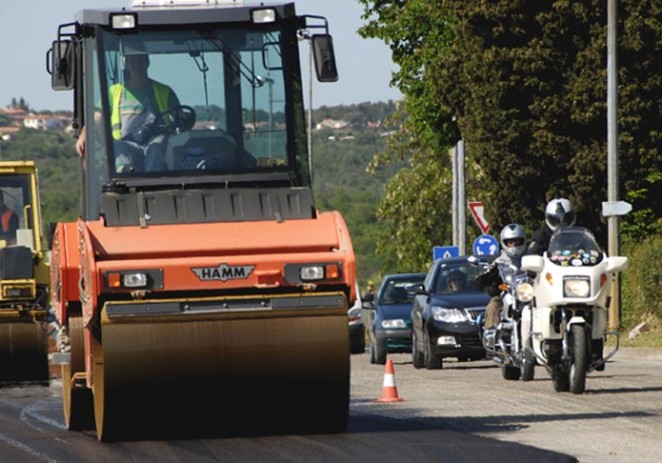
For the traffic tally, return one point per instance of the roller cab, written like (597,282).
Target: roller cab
(201,291)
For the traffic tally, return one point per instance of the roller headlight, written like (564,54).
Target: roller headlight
(576,286)
(524,292)
(134,279)
(443,314)
(312,272)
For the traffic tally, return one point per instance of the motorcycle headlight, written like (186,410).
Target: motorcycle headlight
(524,292)
(395,323)
(443,314)
(576,286)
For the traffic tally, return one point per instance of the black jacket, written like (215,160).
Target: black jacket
(539,241)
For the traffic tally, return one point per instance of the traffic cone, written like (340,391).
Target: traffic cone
(390,390)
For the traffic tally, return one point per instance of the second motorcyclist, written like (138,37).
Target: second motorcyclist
(513,246)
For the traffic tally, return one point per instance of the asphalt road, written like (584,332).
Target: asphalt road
(465,412)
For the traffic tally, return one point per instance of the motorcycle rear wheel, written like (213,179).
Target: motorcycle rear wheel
(510,372)
(561,380)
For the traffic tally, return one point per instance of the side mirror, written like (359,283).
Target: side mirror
(325,58)
(60,65)
(532,263)
(418,288)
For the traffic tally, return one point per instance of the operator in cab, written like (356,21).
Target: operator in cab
(136,104)
(8,221)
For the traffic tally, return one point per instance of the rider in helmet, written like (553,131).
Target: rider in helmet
(558,213)
(513,246)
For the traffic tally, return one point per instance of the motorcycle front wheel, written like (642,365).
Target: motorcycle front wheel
(580,359)
(528,364)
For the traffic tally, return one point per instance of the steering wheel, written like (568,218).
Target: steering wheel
(182,116)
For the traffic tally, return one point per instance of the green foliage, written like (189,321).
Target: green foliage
(642,283)
(527,82)
(57,164)
(341,182)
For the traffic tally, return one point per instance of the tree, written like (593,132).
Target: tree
(527,84)
(417,32)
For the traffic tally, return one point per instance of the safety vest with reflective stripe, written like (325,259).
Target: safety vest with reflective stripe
(6,217)
(161,96)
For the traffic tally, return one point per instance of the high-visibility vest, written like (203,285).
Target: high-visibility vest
(6,217)
(161,95)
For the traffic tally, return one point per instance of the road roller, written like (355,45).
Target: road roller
(201,292)
(24,276)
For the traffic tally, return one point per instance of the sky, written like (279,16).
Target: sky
(28,28)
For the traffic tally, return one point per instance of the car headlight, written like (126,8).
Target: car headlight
(524,292)
(444,314)
(394,323)
(576,286)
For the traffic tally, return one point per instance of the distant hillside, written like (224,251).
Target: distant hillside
(340,180)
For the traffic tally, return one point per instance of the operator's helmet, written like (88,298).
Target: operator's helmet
(513,240)
(559,213)
(456,280)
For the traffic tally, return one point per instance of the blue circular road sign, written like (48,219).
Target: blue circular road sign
(486,245)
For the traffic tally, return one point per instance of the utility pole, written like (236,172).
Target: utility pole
(459,216)
(613,208)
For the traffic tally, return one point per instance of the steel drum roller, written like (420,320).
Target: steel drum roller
(231,377)
(23,351)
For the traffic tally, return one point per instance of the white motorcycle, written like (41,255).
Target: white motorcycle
(571,290)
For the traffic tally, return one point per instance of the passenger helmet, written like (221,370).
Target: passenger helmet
(513,240)
(559,213)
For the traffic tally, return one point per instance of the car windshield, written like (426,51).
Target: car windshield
(456,277)
(574,246)
(398,291)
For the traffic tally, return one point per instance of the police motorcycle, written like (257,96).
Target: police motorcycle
(571,290)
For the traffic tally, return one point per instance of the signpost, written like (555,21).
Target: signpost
(444,252)
(486,245)
(476,208)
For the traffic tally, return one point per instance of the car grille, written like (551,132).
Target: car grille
(474,312)
(470,341)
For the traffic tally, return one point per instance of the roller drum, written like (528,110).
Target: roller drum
(272,375)
(24,351)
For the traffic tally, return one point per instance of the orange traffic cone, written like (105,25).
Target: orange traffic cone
(390,390)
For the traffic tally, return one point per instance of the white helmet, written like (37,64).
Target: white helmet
(513,240)
(559,213)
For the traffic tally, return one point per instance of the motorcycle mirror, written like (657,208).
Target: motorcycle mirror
(533,263)
(473,260)
(617,263)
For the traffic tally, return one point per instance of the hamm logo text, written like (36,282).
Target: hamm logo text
(223,272)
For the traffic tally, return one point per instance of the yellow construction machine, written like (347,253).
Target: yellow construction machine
(24,276)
